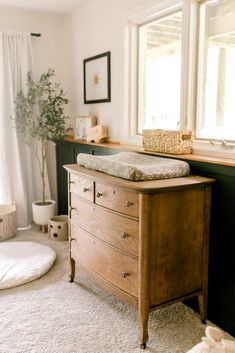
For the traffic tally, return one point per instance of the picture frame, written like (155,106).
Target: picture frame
(82,124)
(97,80)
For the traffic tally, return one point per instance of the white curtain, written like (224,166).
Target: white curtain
(19,174)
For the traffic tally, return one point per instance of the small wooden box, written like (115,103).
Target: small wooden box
(97,134)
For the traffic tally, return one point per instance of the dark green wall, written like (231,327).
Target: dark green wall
(221,303)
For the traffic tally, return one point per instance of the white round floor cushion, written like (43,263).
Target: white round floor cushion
(22,262)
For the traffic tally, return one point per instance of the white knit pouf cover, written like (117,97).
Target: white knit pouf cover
(214,342)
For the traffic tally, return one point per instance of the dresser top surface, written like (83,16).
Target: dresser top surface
(139,186)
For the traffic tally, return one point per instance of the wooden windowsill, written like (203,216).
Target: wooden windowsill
(191,157)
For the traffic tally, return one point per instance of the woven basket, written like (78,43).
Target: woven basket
(58,227)
(168,141)
(7,221)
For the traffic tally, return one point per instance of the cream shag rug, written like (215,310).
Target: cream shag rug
(51,315)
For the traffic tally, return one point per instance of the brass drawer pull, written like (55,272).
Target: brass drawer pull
(86,189)
(125,235)
(125,274)
(72,182)
(99,194)
(129,203)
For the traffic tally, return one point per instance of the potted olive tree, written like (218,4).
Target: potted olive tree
(40,119)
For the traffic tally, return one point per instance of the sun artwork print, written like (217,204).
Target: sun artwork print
(97,79)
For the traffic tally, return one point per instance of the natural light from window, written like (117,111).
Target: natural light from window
(160,73)
(216,86)
(180,65)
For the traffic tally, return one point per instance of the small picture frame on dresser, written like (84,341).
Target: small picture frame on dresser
(82,124)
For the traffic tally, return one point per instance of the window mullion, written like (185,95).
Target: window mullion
(141,74)
(202,63)
(189,64)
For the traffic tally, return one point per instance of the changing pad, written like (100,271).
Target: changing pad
(135,166)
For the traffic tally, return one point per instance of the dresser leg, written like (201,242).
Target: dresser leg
(143,329)
(144,265)
(72,269)
(202,301)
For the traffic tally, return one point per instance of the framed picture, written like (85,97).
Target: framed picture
(97,82)
(82,124)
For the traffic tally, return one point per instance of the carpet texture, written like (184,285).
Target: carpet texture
(51,315)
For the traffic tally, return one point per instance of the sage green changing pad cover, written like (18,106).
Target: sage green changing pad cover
(135,166)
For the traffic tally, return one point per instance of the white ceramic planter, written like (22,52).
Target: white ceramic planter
(42,213)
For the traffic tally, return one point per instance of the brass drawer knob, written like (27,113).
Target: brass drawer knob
(125,235)
(99,194)
(71,209)
(125,274)
(129,203)
(85,189)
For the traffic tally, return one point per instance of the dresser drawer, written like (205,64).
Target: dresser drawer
(117,199)
(119,269)
(119,231)
(82,187)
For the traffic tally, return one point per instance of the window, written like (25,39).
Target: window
(216,85)
(160,72)
(180,69)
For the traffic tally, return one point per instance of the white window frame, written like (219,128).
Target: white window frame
(147,12)
(143,14)
(206,146)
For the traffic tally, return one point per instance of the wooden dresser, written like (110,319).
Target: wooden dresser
(145,242)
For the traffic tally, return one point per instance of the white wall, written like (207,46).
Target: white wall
(97,27)
(49,52)
(49,49)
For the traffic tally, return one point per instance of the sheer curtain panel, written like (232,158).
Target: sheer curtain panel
(19,175)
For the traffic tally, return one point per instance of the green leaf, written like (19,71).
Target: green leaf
(39,113)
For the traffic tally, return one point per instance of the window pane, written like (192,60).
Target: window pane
(216,100)
(160,73)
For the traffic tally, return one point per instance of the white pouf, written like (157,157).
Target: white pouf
(214,342)
(22,262)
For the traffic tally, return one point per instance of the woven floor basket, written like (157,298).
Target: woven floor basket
(7,221)
(168,141)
